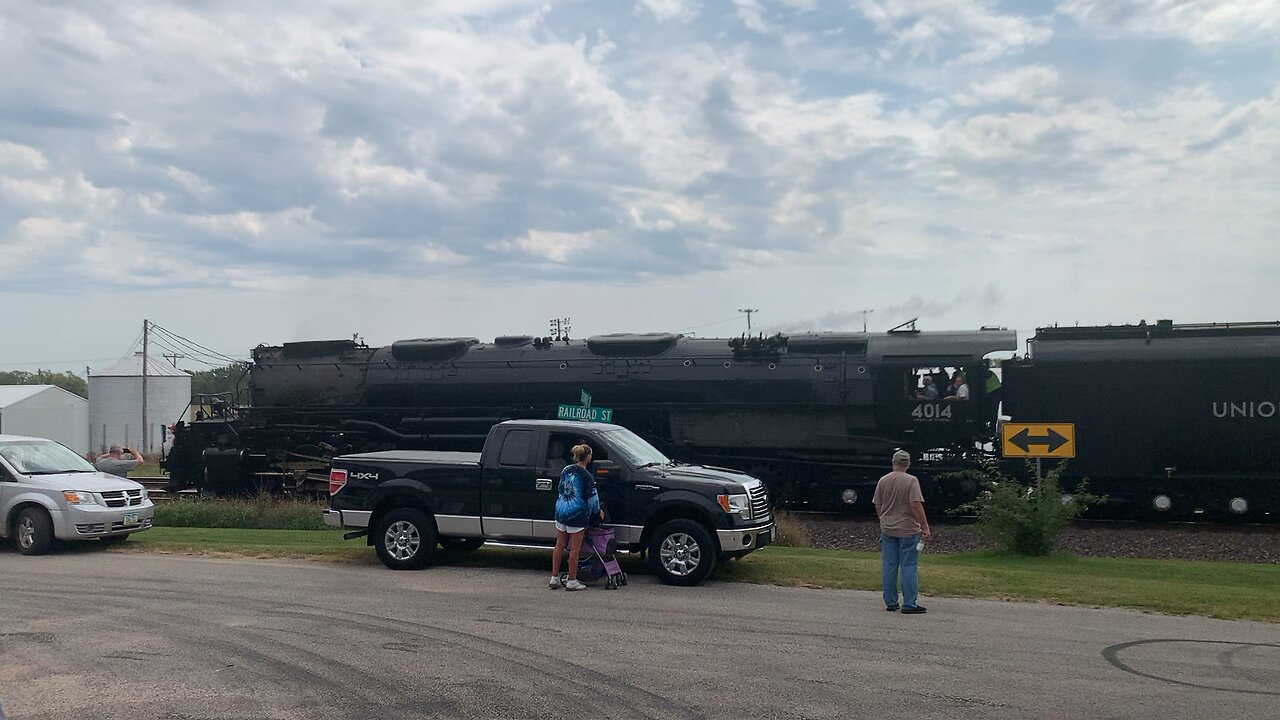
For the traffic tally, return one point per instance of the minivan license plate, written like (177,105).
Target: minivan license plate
(131,518)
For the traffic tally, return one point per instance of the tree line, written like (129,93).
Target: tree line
(203,382)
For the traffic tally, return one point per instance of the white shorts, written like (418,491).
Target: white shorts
(568,528)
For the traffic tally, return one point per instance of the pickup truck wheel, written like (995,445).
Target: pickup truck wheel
(457,544)
(34,532)
(405,539)
(682,552)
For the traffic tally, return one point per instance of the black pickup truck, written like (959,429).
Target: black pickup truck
(685,517)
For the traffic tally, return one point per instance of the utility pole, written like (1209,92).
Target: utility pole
(748,311)
(146,337)
(865,313)
(173,358)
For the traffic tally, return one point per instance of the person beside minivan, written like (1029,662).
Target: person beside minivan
(115,463)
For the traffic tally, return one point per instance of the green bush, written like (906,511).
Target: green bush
(261,513)
(1024,518)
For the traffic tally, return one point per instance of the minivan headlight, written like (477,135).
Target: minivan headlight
(79,497)
(739,505)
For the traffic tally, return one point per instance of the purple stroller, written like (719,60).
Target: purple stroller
(597,559)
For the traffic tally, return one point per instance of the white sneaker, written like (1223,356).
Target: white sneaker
(555,583)
(574,585)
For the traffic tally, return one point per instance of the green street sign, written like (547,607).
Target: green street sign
(589,414)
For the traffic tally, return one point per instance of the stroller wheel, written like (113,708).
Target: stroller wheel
(623,579)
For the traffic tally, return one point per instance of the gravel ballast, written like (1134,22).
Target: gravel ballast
(1239,543)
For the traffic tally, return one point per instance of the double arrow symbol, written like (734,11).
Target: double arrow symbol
(1023,440)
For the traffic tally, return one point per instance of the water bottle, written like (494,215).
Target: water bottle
(920,546)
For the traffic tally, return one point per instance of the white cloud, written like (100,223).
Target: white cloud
(1024,85)
(1203,22)
(665,10)
(752,16)
(924,28)
(20,157)
(554,246)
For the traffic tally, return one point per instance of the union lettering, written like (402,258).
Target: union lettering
(1245,409)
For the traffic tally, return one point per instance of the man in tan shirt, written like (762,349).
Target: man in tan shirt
(900,507)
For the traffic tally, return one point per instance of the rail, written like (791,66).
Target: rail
(155,489)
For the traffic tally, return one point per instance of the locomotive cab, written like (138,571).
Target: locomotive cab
(941,415)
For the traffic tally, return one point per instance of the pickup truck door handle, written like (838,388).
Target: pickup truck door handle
(647,487)
(543,483)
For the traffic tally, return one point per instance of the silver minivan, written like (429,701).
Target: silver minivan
(47,491)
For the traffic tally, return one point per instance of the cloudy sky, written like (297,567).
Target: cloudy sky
(245,172)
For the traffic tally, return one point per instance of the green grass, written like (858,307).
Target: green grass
(1214,589)
(150,468)
(263,513)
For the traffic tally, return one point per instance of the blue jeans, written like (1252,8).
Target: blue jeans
(899,554)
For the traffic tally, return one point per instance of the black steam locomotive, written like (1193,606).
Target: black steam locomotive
(1169,418)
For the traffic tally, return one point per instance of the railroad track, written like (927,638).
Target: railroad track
(155,489)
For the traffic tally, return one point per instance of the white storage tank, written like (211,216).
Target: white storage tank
(45,411)
(115,403)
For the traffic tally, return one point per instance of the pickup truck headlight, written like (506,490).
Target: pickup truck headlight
(739,505)
(79,497)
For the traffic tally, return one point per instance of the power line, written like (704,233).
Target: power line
(194,346)
(179,353)
(717,322)
(186,353)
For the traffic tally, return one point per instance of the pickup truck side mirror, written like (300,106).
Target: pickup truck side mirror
(604,469)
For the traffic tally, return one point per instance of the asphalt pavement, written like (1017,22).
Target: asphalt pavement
(103,635)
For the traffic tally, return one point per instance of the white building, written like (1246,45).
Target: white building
(115,403)
(45,411)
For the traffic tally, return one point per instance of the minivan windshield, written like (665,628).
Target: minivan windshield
(42,457)
(634,450)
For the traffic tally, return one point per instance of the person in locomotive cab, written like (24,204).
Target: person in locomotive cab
(114,462)
(903,528)
(576,503)
(959,389)
(929,391)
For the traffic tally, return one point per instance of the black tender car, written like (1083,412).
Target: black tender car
(685,517)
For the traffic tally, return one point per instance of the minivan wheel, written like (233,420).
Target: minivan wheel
(682,552)
(34,532)
(405,539)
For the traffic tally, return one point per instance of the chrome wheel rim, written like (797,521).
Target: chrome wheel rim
(402,540)
(680,554)
(26,532)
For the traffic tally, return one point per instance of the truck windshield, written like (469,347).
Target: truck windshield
(42,458)
(634,450)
